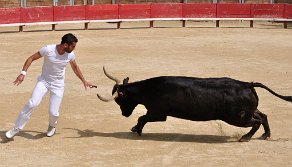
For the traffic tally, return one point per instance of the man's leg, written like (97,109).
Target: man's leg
(55,102)
(38,93)
(35,99)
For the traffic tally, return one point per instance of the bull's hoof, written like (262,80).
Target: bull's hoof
(245,139)
(265,136)
(136,130)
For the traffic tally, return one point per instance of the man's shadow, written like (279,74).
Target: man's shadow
(32,135)
(169,137)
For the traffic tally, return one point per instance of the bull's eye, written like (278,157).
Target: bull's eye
(121,94)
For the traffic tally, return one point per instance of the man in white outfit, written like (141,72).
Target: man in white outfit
(51,80)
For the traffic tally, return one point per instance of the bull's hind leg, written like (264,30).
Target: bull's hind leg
(255,124)
(265,124)
(256,121)
(147,118)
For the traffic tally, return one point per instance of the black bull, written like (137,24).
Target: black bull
(197,99)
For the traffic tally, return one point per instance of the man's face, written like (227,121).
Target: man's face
(70,48)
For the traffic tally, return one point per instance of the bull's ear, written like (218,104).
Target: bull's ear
(125,81)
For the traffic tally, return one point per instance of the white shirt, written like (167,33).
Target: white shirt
(53,70)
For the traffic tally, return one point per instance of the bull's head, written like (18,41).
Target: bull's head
(120,95)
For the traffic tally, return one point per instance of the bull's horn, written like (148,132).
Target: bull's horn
(111,77)
(115,95)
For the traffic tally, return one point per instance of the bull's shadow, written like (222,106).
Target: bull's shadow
(169,137)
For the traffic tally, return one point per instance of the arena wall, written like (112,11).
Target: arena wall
(31,3)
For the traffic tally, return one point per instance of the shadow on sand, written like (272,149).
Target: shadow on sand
(25,134)
(169,137)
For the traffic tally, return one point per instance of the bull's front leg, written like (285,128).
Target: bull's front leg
(147,118)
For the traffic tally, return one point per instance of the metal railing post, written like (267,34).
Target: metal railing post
(71,2)
(55,2)
(23,3)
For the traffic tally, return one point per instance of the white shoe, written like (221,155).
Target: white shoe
(11,133)
(51,131)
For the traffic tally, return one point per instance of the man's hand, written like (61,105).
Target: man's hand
(19,79)
(88,84)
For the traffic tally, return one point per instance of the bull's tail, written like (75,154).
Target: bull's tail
(287,98)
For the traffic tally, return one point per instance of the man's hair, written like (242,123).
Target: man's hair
(69,39)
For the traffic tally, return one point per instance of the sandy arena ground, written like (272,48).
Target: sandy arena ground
(94,133)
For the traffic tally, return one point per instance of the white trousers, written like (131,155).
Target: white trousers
(41,88)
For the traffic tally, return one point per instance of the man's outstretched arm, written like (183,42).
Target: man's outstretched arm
(78,73)
(25,67)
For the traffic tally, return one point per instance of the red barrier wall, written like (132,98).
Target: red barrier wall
(9,15)
(199,10)
(141,11)
(267,11)
(288,12)
(37,14)
(102,12)
(69,13)
(166,10)
(134,11)
(233,10)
